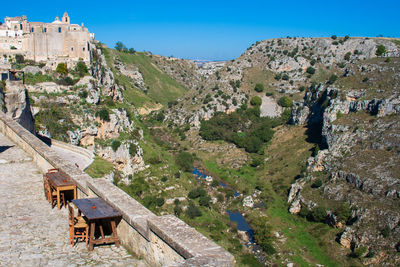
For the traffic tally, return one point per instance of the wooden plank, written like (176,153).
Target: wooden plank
(101,211)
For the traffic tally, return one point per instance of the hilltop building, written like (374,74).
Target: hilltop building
(55,42)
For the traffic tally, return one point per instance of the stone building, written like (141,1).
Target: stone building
(55,42)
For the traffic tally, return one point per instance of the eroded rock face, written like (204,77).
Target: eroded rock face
(17,105)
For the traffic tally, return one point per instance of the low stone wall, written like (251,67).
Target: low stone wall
(160,240)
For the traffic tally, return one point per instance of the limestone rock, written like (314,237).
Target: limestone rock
(18,106)
(31,69)
(248,202)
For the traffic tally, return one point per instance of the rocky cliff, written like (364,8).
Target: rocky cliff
(359,165)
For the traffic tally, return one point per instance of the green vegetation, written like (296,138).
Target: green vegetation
(245,128)
(285,102)
(62,68)
(380,50)
(81,68)
(256,101)
(310,70)
(99,168)
(37,78)
(161,87)
(185,161)
(259,87)
(56,120)
(103,114)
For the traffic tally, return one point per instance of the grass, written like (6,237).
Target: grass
(99,168)
(161,87)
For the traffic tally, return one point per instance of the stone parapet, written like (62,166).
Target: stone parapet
(159,240)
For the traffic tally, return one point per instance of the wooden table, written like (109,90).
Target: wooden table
(61,183)
(97,211)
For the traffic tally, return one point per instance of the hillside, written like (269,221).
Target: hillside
(298,135)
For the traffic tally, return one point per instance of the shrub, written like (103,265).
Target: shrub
(387,60)
(160,201)
(285,77)
(347,56)
(317,183)
(278,76)
(380,50)
(332,79)
(196,193)
(214,183)
(346,38)
(358,252)
(343,212)
(81,68)
(385,231)
(132,149)
(193,211)
(177,210)
(115,144)
(257,161)
(310,70)
(66,81)
(259,87)
(185,161)
(177,175)
(103,114)
(334,37)
(255,101)
(339,114)
(19,58)
(316,150)
(205,201)
(62,68)
(318,214)
(302,88)
(285,102)
(164,179)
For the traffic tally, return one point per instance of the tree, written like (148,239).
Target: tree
(193,211)
(285,102)
(19,58)
(334,37)
(103,114)
(185,161)
(347,56)
(310,70)
(119,46)
(196,193)
(259,87)
(318,214)
(62,68)
(380,50)
(343,212)
(256,101)
(115,144)
(81,68)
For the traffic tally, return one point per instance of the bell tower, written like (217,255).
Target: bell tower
(65,18)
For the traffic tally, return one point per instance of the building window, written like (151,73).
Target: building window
(83,49)
(32,29)
(72,49)
(59,29)
(45,30)
(20,26)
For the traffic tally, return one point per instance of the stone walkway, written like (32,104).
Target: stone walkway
(33,234)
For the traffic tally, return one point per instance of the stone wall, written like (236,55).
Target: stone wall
(160,240)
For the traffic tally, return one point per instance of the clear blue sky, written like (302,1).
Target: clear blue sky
(214,29)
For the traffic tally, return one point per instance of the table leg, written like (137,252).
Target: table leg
(58,198)
(115,235)
(92,228)
(101,230)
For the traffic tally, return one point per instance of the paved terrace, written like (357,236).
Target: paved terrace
(33,234)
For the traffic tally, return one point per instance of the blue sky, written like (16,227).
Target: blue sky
(214,29)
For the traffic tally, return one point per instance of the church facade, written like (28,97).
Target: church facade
(55,42)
